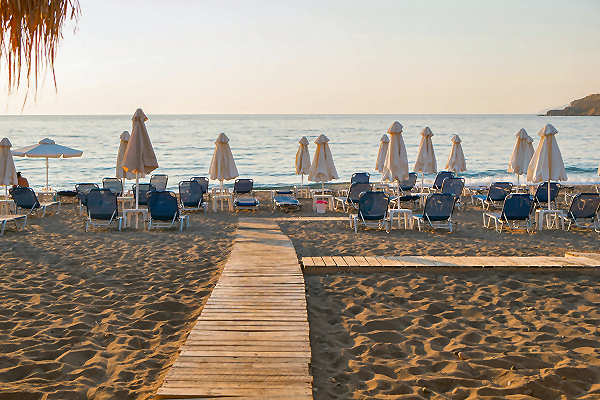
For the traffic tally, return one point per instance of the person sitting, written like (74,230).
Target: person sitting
(21,180)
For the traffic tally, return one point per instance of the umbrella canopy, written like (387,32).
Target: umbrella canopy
(222,165)
(530,148)
(139,158)
(547,163)
(8,173)
(426,162)
(322,168)
(302,157)
(456,161)
(521,155)
(384,143)
(120,173)
(47,148)
(396,161)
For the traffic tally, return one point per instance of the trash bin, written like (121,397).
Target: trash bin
(321,206)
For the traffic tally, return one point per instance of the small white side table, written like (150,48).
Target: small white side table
(130,212)
(7,206)
(327,197)
(405,213)
(124,201)
(221,198)
(543,215)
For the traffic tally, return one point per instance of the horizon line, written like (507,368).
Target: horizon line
(263,114)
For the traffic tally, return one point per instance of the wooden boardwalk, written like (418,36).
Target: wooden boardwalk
(572,260)
(251,340)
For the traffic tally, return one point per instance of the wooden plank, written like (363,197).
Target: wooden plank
(339,261)
(350,261)
(361,261)
(251,340)
(307,261)
(329,261)
(372,261)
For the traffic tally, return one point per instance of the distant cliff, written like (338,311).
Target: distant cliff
(589,105)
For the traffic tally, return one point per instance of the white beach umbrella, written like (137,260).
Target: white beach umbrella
(521,155)
(384,144)
(120,172)
(139,157)
(547,163)
(322,168)
(302,158)
(426,162)
(222,165)
(8,172)
(456,161)
(47,148)
(395,167)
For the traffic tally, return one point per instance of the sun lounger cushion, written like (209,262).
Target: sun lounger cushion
(246,202)
(286,201)
(67,193)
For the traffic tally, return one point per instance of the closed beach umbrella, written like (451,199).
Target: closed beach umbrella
(8,173)
(530,148)
(521,155)
(222,165)
(47,148)
(426,162)
(302,158)
(120,172)
(456,161)
(322,168)
(139,158)
(384,144)
(547,163)
(395,167)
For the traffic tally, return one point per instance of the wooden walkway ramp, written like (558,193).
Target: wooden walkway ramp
(251,340)
(570,260)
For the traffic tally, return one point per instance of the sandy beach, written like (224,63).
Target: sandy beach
(101,315)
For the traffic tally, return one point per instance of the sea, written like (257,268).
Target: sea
(264,146)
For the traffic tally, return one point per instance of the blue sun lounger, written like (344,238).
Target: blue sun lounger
(285,200)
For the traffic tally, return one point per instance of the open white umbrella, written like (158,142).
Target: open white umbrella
(322,168)
(222,165)
(395,167)
(47,148)
(426,162)
(302,158)
(384,144)
(8,172)
(521,155)
(139,158)
(456,161)
(547,163)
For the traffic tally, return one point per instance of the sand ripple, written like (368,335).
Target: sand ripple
(455,335)
(100,315)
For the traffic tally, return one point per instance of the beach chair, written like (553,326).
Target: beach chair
(82,190)
(5,219)
(145,189)
(439,180)
(541,194)
(360,177)
(583,212)
(243,198)
(159,181)
(114,185)
(285,200)
(26,199)
(164,211)
(372,211)
(404,189)
(102,209)
(438,211)
(454,185)
(203,181)
(496,194)
(191,196)
(516,213)
(352,198)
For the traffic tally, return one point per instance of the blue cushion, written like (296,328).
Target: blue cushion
(246,202)
(286,200)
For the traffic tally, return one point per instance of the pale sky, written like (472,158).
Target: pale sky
(269,57)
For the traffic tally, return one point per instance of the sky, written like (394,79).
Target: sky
(321,57)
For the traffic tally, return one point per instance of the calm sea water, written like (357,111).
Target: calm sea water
(264,146)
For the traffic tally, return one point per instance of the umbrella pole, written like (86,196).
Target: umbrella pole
(46,174)
(518,180)
(137,190)
(548,194)
(422,181)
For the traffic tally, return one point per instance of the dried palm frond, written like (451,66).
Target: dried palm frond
(29,34)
